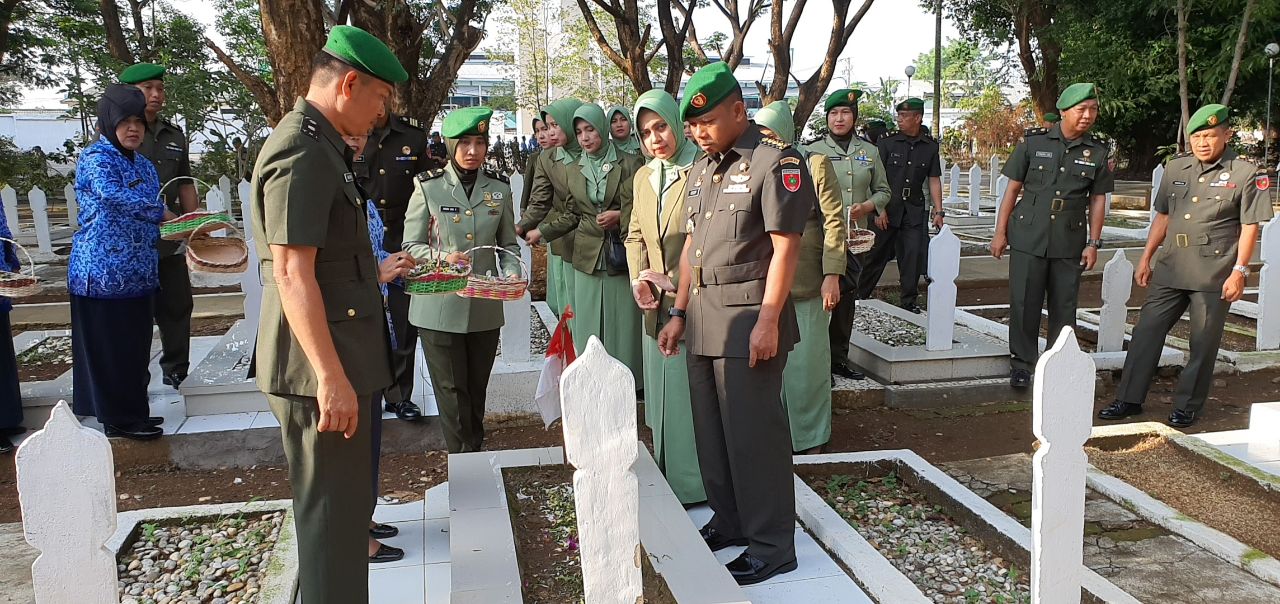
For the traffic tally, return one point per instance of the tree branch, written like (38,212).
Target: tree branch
(116,43)
(262,92)
(1239,54)
(601,41)
(7,10)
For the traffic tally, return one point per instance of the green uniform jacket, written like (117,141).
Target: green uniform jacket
(588,243)
(822,247)
(1058,178)
(859,170)
(166,146)
(529,168)
(486,218)
(656,242)
(394,155)
(1206,204)
(304,194)
(549,204)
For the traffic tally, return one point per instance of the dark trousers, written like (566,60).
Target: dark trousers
(110,351)
(173,308)
(331,508)
(841,328)
(402,358)
(375,440)
(907,244)
(10,390)
(1161,311)
(459,364)
(1032,280)
(744,449)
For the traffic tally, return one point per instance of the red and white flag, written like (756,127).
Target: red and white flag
(560,353)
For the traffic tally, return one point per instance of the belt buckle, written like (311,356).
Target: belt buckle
(1183,240)
(1058,204)
(906,193)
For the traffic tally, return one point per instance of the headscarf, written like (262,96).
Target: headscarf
(608,119)
(662,103)
(562,111)
(119,103)
(596,166)
(776,116)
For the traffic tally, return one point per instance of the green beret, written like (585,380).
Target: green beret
(911,104)
(358,48)
(466,120)
(1076,94)
(777,117)
(876,123)
(845,97)
(1207,117)
(1052,118)
(706,89)
(141,72)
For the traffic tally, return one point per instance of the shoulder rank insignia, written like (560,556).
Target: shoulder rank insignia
(498,176)
(776,143)
(404,119)
(431,174)
(1035,131)
(1248,160)
(1180,155)
(311,127)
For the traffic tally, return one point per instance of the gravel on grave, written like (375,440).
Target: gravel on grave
(45,360)
(211,561)
(538,335)
(947,564)
(888,329)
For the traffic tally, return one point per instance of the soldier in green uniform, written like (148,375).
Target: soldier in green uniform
(744,214)
(540,134)
(549,202)
(1051,118)
(395,153)
(864,189)
(324,349)
(1056,228)
(620,129)
(910,158)
(166,146)
(1208,209)
(471,207)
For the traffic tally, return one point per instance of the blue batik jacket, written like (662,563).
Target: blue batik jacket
(8,258)
(113,255)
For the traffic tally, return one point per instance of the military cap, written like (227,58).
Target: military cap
(1207,117)
(1052,118)
(876,123)
(141,72)
(706,89)
(911,104)
(777,117)
(465,121)
(845,97)
(1075,94)
(358,48)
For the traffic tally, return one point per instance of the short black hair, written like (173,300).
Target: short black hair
(326,67)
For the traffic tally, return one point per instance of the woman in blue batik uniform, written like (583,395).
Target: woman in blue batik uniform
(10,393)
(113,270)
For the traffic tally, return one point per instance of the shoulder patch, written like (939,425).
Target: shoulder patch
(310,127)
(431,174)
(409,121)
(776,143)
(792,161)
(498,176)
(1035,131)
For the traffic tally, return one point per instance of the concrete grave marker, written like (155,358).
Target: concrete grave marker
(599,423)
(517,314)
(943,163)
(944,267)
(67,491)
(1107,210)
(1062,418)
(1117,285)
(40,212)
(251,280)
(1156,176)
(1002,185)
(975,189)
(1269,288)
(73,206)
(9,197)
(224,187)
(953,195)
(995,171)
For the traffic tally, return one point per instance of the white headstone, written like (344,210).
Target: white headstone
(995,171)
(40,212)
(1107,211)
(1117,284)
(1269,288)
(943,163)
(517,314)
(67,491)
(944,267)
(251,279)
(600,440)
(214,201)
(975,189)
(953,194)
(9,198)
(244,192)
(73,206)
(224,187)
(1002,185)
(1156,176)
(1062,418)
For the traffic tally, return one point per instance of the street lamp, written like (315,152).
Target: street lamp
(1272,51)
(910,71)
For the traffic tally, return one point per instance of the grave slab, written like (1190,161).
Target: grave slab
(973,356)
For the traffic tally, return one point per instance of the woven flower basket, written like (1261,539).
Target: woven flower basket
(17,285)
(433,274)
(208,254)
(489,287)
(193,223)
(860,240)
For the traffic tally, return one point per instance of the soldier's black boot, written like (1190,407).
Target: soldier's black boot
(1181,419)
(1020,378)
(845,371)
(1119,410)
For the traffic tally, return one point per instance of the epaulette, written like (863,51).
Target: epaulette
(170,124)
(1035,131)
(1248,160)
(811,141)
(774,142)
(498,176)
(310,127)
(409,121)
(431,174)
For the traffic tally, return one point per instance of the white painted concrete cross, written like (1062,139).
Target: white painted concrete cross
(40,212)
(600,441)
(944,267)
(517,314)
(1117,284)
(1062,417)
(67,491)
(9,198)
(975,189)
(1269,288)
(1002,185)
(73,206)
(995,171)
(953,194)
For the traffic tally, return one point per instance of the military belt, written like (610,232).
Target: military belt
(327,271)
(1182,240)
(734,273)
(1057,204)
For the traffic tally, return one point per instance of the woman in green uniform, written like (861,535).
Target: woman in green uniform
(655,240)
(806,380)
(549,217)
(600,195)
(471,207)
(621,130)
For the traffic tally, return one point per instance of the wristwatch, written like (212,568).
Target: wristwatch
(676,312)
(1239,268)
(1096,243)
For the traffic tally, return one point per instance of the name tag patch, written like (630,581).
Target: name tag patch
(736,188)
(693,192)
(450,209)
(1086,163)
(1179,183)
(1044,154)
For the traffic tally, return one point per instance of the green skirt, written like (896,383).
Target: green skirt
(603,307)
(806,381)
(559,283)
(668,413)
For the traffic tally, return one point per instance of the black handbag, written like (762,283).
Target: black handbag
(615,254)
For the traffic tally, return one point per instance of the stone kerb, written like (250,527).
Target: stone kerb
(1117,285)
(1269,288)
(67,491)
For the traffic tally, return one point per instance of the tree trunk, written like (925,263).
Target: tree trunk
(431,91)
(7,10)
(674,40)
(393,22)
(1183,94)
(139,28)
(263,93)
(1031,20)
(117,45)
(780,39)
(630,56)
(294,32)
(937,72)
(1239,54)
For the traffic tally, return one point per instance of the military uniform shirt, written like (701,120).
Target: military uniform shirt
(1058,177)
(394,155)
(166,146)
(734,201)
(1206,204)
(859,169)
(909,162)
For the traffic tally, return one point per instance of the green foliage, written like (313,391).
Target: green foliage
(968,70)
(24,170)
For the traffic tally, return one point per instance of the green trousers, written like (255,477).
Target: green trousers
(668,413)
(459,364)
(1161,311)
(332,504)
(1032,280)
(806,381)
(604,307)
(560,282)
(172,310)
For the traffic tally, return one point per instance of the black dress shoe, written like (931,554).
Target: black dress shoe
(383,531)
(717,541)
(14,431)
(174,379)
(749,570)
(404,410)
(386,553)
(912,308)
(846,371)
(1181,419)
(134,431)
(1119,410)
(1020,378)
(6,445)
(154,421)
